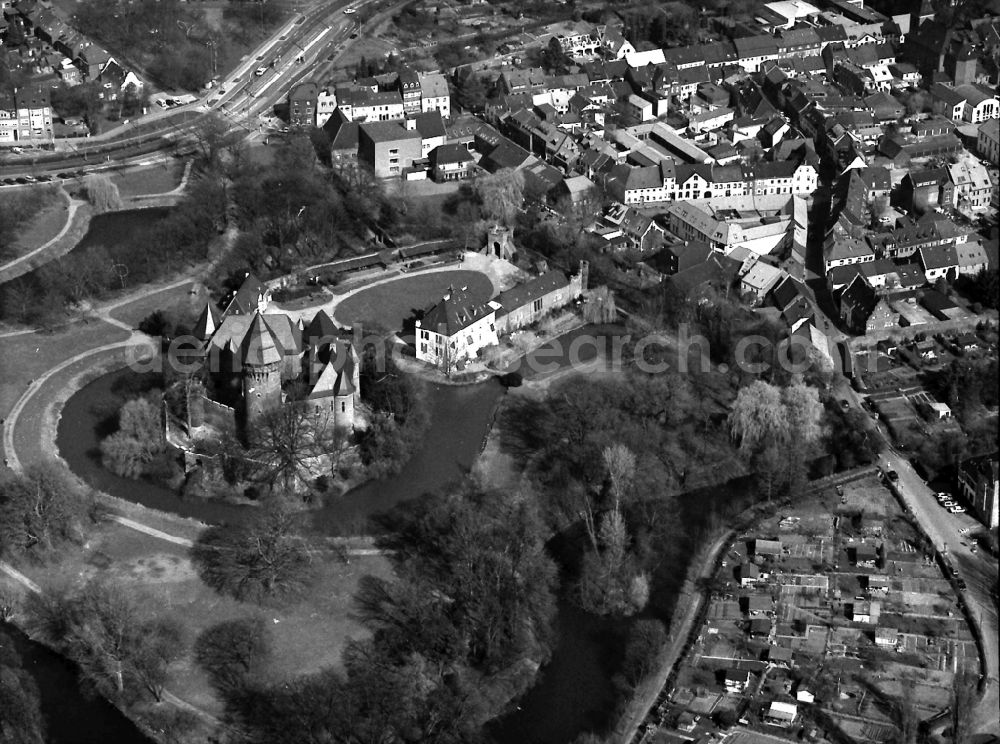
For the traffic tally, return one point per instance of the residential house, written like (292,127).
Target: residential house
(758,604)
(302,105)
(408,83)
(866,611)
(886,637)
(363,104)
(34,114)
(434,93)
(863,310)
(8,118)
(736,680)
(865,555)
(759,626)
(939,261)
(780,656)
(978,482)
(972,258)
(781,714)
(973,187)
(759,280)
(988,141)
(326,104)
(927,189)
(767,548)
(388,148)
(749,574)
(431,128)
(679,257)
(451,163)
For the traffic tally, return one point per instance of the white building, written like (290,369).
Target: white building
(434,94)
(326,104)
(988,141)
(455,330)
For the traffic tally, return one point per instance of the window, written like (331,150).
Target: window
(343,407)
(423,348)
(537,306)
(425,335)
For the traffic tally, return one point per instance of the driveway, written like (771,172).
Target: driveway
(978,569)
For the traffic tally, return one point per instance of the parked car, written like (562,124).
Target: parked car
(948,504)
(892,475)
(260,71)
(957,509)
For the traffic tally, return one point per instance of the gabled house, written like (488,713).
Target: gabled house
(863,310)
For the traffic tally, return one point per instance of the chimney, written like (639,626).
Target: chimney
(411,124)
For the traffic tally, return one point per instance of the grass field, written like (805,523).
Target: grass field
(44,226)
(390,304)
(154,179)
(307,635)
(184,302)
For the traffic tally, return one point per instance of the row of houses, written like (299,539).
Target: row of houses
(25,115)
(390,97)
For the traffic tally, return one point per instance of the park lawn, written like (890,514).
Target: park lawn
(388,305)
(27,356)
(180,302)
(306,636)
(44,226)
(153,179)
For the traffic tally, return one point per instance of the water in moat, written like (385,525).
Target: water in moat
(574,692)
(70,716)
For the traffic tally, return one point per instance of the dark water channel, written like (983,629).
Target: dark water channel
(70,716)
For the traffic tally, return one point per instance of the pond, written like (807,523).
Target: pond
(70,716)
(118,228)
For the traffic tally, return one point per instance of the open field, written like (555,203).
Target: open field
(153,179)
(390,304)
(184,301)
(43,226)
(307,636)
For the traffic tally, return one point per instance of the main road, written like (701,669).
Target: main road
(978,569)
(241,98)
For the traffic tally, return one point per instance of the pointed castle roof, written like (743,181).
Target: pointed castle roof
(207,323)
(259,346)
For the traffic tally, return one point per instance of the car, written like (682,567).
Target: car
(960,583)
(844,404)
(260,71)
(45,178)
(160,102)
(17,150)
(349,11)
(30,179)
(957,509)
(8,181)
(81,173)
(213,101)
(892,475)
(260,58)
(948,504)
(22,180)
(354,35)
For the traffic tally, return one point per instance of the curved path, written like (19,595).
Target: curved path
(21,264)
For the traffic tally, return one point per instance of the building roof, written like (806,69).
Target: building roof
(387,131)
(430,124)
(450,154)
(455,311)
(522,294)
(248,297)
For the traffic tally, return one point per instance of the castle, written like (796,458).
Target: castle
(255,359)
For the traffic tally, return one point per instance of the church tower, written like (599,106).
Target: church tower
(262,362)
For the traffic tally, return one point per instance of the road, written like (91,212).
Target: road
(978,569)
(241,98)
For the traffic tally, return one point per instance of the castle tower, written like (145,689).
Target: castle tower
(499,243)
(261,363)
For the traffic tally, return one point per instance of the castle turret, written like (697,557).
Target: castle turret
(262,362)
